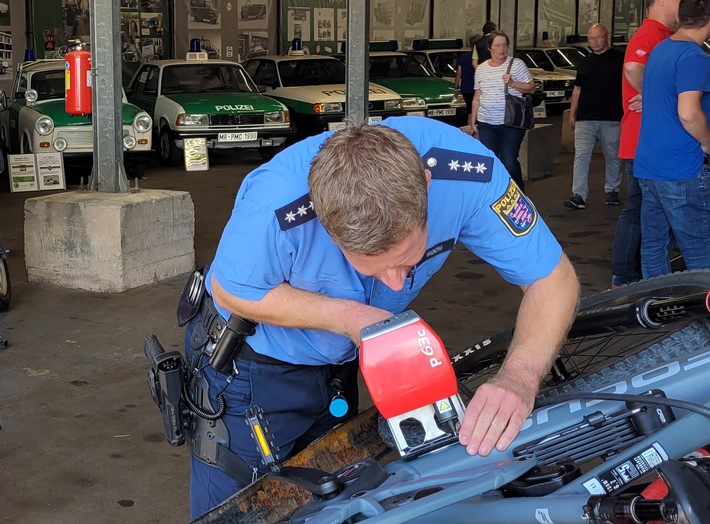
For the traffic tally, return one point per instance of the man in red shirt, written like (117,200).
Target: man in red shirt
(662,18)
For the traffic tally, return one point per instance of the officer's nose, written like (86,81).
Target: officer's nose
(394,278)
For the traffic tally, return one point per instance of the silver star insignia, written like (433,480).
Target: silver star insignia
(467,166)
(431,162)
(310,204)
(480,167)
(454,165)
(302,210)
(290,217)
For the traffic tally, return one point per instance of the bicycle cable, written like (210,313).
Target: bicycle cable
(647,399)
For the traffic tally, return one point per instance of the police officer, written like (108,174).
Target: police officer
(343,230)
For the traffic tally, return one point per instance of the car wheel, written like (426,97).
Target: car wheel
(168,152)
(2,70)
(296,136)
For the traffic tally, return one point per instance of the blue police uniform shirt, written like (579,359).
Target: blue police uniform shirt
(273,235)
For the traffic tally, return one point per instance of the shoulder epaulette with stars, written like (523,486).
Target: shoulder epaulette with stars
(455,165)
(296,213)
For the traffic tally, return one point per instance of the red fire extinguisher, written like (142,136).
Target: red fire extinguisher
(77,82)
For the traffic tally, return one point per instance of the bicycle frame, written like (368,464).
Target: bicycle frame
(468,484)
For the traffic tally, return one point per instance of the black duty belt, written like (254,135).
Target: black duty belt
(214,324)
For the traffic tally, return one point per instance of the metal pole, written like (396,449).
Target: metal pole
(358,44)
(108,174)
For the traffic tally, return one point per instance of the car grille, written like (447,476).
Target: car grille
(237,119)
(557,84)
(77,139)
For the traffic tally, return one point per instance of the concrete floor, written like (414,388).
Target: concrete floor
(81,439)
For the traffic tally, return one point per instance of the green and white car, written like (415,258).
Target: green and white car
(313,89)
(438,55)
(33,119)
(212,99)
(423,93)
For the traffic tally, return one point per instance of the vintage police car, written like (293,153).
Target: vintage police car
(33,119)
(313,89)
(214,99)
(438,55)
(423,94)
(556,85)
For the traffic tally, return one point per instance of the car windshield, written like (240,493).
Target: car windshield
(395,66)
(566,58)
(204,78)
(48,84)
(535,59)
(311,72)
(445,63)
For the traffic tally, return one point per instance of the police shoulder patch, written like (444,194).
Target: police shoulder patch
(515,210)
(455,165)
(296,213)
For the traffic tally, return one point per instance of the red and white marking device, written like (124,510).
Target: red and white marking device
(409,375)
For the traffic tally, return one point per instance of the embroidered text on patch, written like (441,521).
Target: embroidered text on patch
(515,210)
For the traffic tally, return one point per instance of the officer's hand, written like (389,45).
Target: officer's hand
(496,414)
(362,316)
(572,122)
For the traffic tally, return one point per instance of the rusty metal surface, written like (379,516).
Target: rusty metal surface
(269,500)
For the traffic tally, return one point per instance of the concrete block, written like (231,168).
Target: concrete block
(109,242)
(538,150)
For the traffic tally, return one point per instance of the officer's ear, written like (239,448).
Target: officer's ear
(428,177)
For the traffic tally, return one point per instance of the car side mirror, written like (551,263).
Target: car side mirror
(262,89)
(439,75)
(3,100)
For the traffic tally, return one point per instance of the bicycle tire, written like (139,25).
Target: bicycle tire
(582,356)
(5,286)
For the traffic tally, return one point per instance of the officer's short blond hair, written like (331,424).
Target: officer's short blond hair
(368,188)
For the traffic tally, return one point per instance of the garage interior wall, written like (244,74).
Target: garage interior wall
(153,29)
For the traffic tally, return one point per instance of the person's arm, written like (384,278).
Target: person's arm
(474,55)
(287,306)
(574,102)
(499,408)
(457,80)
(475,104)
(523,87)
(693,117)
(633,71)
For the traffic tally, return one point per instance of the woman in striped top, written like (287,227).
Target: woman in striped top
(488,107)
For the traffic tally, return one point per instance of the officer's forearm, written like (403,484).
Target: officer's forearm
(287,306)
(546,313)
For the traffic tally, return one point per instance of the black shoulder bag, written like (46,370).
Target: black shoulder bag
(518,110)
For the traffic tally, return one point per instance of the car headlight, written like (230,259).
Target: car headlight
(539,86)
(568,83)
(129,142)
(274,117)
(393,104)
(328,107)
(60,144)
(413,102)
(192,120)
(143,123)
(44,125)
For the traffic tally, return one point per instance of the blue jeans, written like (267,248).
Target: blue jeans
(505,142)
(626,261)
(295,400)
(677,209)
(586,134)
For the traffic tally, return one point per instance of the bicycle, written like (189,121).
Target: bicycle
(594,441)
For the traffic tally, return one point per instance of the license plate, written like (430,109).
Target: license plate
(237,137)
(334,126)
(442,112)
(554,94)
